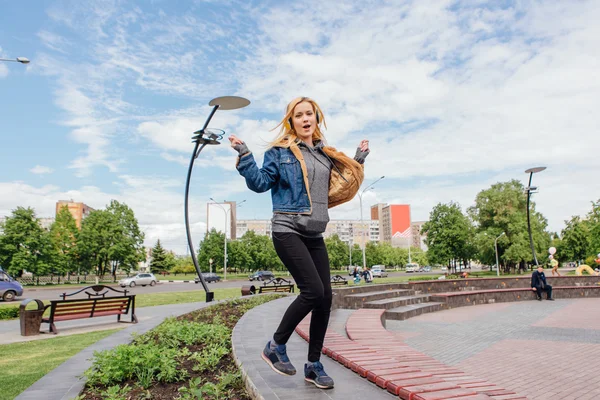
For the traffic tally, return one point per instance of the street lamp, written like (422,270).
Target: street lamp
(206,137)
(531,189)
(22,60)
(361,220)
(226,211)
(496,247)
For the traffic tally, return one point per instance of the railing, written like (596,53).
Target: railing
(69,279)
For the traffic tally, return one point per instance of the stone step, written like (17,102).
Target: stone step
(396,302)
(371,287)
(357,300)
(412,310)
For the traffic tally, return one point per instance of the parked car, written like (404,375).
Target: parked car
(208,277)
(261,276)
(412,267)
(139,279)
(10,289)
(427,268)
(378,271)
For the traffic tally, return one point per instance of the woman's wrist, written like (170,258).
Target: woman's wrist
(242,149)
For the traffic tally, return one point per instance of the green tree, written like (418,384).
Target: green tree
(450,235)
(576,240)
(128,240)
(63,236)
(161,259)
(503,208)
(238,258)
(95,241)
(110,239)
(356,254)
(211,247)
(24,244)
(593,220)
(338,252)
(261,252)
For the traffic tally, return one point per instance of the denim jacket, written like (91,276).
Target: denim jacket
(284,172)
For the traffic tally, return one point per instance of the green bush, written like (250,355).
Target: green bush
(424,278)
(200,341)
(9,312)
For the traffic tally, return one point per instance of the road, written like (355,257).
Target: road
(54,293)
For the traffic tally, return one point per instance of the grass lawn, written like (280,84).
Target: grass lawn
(159,299)
(22,364)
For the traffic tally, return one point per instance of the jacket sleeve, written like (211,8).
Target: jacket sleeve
(534,279)
(263,179)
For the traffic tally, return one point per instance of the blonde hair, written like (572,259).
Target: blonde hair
(287,135)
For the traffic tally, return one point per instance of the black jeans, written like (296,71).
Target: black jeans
(308,262)
(547,289)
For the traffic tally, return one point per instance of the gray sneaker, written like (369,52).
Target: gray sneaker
(278,359)
(314,373)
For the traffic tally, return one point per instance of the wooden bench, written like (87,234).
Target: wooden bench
(97,304)
(338,280)
(277,285)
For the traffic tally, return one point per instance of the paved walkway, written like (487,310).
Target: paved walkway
(256,328)
(543,350)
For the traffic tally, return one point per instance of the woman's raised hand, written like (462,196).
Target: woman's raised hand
(234,140)
(364,145)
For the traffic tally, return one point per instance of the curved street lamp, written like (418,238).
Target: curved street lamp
(22,60)
(206,137)
(226,211)
(361,220)
(529,190)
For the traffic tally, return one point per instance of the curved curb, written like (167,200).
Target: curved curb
(66,381)
(248,383)
(237,348)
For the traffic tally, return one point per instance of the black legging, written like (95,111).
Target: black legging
(308,262)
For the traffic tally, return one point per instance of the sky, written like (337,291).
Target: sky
(454,96)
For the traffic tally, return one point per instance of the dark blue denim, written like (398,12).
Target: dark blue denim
(281,172)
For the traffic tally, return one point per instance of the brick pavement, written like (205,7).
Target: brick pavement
(544,350)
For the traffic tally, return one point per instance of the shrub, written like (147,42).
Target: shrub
(9,312)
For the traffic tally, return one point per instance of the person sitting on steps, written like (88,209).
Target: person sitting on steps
(539,285)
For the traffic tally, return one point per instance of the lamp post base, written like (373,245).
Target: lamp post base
(210,296)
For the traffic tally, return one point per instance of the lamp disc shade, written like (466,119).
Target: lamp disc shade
(229,102)
(535,170)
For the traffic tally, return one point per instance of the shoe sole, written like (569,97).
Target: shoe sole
(262,355)
(317,385)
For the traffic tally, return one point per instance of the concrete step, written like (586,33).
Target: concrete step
(411,310)
(394,302)
(357,300)
(370,287)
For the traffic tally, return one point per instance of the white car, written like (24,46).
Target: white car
(378,271)
(412,267)
(142,279)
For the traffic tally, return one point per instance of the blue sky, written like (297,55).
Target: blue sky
(454,96)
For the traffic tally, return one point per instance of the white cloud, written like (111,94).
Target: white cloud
(446,91)
(156,201)
(54,41)
(41,170)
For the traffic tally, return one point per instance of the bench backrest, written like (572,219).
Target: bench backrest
(280,288)
(89,308)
